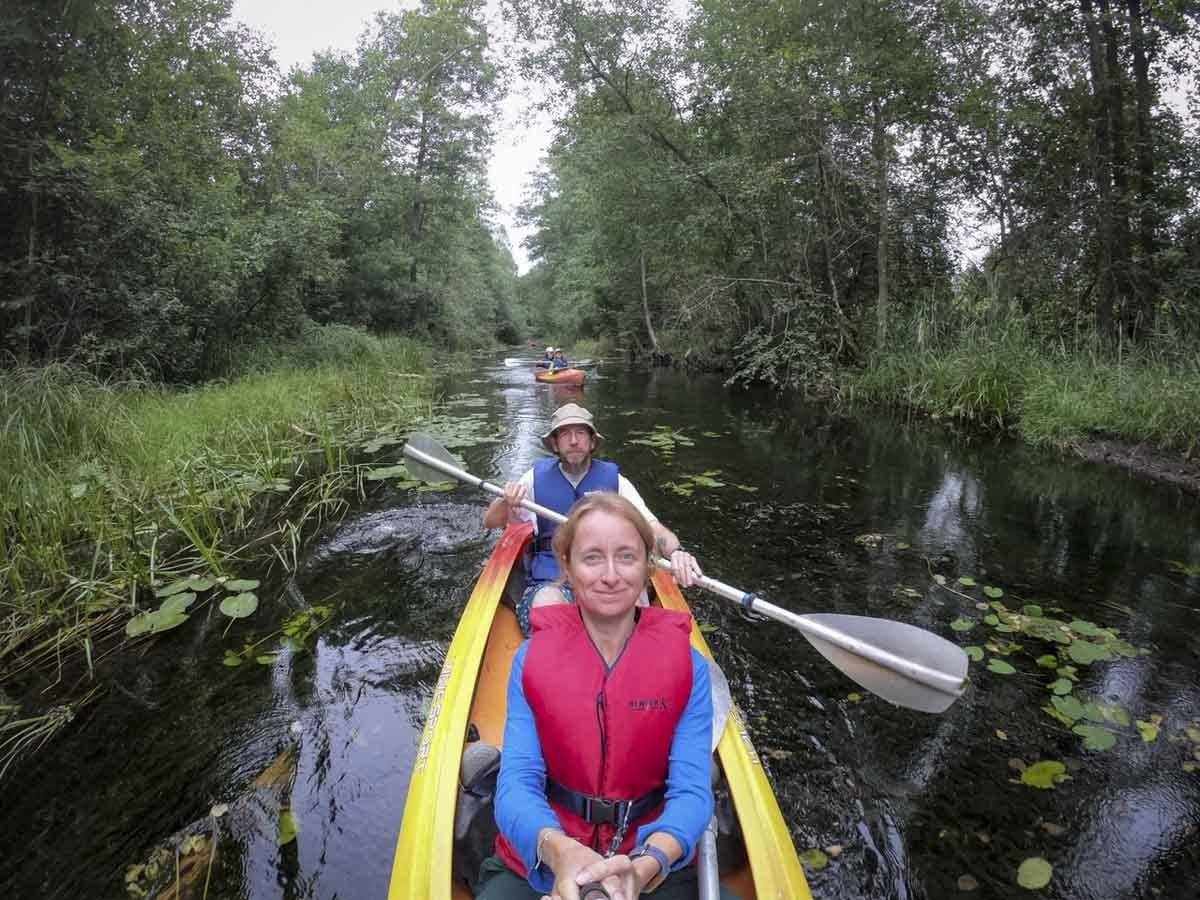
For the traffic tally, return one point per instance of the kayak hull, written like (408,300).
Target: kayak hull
(561,376)
(472,689)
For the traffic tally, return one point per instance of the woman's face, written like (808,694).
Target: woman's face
(607,567)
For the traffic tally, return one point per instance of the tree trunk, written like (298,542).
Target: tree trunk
(30,258)
(1145,276)
(880,149)
(416,216)
(1115,97)
(1103,173)
(646,304)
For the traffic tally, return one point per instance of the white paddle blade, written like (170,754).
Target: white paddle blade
(430,447)
(722,700)
(907,642)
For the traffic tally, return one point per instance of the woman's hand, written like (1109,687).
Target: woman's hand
(685,568)
(575,865)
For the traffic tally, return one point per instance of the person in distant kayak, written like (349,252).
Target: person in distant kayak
(560,360)
(547,359)
(558,483)
(605,774)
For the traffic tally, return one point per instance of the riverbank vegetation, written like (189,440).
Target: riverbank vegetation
(112,488)
(987,210)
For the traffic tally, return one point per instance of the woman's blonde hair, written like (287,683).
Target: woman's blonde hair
(601,501)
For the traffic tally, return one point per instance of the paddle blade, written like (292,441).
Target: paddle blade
(901,640)
(428,445)
(722,700)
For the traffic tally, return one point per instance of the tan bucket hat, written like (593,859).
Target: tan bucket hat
(569,414)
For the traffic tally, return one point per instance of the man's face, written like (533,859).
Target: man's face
(574,444)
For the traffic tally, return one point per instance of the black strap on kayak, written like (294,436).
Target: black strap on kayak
(601,810)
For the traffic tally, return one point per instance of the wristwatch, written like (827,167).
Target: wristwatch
(664,865)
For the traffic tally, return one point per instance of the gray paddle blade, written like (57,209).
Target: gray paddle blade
(905,641)
(430,447)
(722,701)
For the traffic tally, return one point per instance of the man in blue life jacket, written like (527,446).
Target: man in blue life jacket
(557,483)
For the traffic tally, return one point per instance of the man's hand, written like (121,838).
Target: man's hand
(514,493)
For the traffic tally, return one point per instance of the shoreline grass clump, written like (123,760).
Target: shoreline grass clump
(112,486)
(1051,395)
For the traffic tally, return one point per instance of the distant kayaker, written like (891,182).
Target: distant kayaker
(547,359)
(605,774)
(560,360)
(557,484)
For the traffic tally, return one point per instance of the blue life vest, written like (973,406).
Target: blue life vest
(552,490)
(560,363)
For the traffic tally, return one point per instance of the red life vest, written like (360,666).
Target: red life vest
(605,733)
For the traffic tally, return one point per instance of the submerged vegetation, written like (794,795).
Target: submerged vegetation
(132,499)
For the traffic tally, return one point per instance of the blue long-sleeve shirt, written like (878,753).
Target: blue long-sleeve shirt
(521,807)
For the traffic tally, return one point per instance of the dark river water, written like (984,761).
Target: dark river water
(853,511)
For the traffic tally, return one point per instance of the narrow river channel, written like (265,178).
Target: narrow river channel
(861,512)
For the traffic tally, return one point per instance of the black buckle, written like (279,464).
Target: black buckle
(601,811)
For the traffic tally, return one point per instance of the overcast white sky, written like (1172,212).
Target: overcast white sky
(298,30)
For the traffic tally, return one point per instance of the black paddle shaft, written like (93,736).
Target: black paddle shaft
(593,890)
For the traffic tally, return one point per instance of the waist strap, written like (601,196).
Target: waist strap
(601,810)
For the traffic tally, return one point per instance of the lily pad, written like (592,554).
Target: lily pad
(1049,661)
(1085,652)
(1000,667)
(1095,737)
(1087,629)
(994,592)
(1034,873)
(1045,774)
(174,587)
(238,606)
(178,602)
(1148,730)
(233,660)
(266,659)
(975,654)
(707,628)
(288,828)
(1068,706)
(1032,609)
(814,859)
(241,584)
(200,583)
(961,624)
(1062,686)
(967,581)
(992,619)
(154,622)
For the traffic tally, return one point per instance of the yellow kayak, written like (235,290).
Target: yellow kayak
(471,692)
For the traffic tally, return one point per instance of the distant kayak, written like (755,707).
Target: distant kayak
(561,376)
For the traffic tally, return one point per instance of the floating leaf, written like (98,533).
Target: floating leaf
(749,489)
(967,883)
(1000,667)
(1032,609)
(814,859)
(967,581)
(1049,661)
(1062,686)
(232,659)
(992,619)
(1118,715)
(961,624)
(854,697)
(1034,873)
(1094,737)
(266,659)
(902,545)
(707,628)
(438,486)
(1068,706)
(1085,652)
(238,606)
(994,592)
(241,584)
(1058,714)
(175,587)
(1087,629)
(975,654)
(177,602)
(1067,672)
(200,583)
(1003,735)
(154,622)
(288,828)
(1148,730)
(1045,774)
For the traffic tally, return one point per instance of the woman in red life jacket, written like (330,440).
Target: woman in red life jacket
(605,770)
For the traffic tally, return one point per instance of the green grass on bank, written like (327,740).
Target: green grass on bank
(109,485)
(1051,396)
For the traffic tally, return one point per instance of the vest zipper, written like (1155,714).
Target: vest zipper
(600,717)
